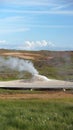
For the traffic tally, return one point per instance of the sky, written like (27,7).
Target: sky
(36,24)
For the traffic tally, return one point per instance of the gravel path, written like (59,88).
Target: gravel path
(37,84)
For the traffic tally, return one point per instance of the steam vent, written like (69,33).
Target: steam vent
(21,65)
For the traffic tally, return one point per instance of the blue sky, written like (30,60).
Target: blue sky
(36,24)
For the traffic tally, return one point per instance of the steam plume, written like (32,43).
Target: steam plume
(21,65)
(18,64)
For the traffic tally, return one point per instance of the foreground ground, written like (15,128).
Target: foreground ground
(36,84)
(36,114)
(28,94)
(36,110)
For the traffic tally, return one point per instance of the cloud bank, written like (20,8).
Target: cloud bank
(35,45)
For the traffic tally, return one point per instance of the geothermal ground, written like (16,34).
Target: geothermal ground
(56,65)
(37,84)
(54,85)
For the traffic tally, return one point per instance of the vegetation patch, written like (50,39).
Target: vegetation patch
(36,114)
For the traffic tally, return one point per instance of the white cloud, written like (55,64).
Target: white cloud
(51,44)
(50,26)
(53,3)
(42,43)
(54,7)
(3,42)
(62,5)
(36,45)
(39,12)
(13,19)
(10,30)
(29,2)
(29,45)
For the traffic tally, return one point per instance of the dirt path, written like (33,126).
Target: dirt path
(36,84)
(43,95)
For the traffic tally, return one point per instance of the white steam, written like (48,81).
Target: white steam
(18,64)
(40,78)
(21,65)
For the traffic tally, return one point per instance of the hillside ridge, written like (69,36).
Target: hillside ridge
(52,64)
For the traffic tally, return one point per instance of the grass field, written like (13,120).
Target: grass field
(34,114)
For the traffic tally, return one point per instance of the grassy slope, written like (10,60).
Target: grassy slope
(57,65)
(36,114)
(60,66)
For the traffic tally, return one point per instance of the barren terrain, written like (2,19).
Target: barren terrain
(24,55)
(43,95)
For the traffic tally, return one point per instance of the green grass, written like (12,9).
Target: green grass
(20,91)
(36,114)
(7,75)
(59,71)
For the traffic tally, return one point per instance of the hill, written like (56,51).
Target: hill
(53,64)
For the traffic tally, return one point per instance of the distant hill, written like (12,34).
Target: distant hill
(53,64)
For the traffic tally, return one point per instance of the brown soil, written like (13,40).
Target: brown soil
(23,55)
(43,95)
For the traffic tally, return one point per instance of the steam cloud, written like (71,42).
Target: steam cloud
(17,64)
(21,65)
